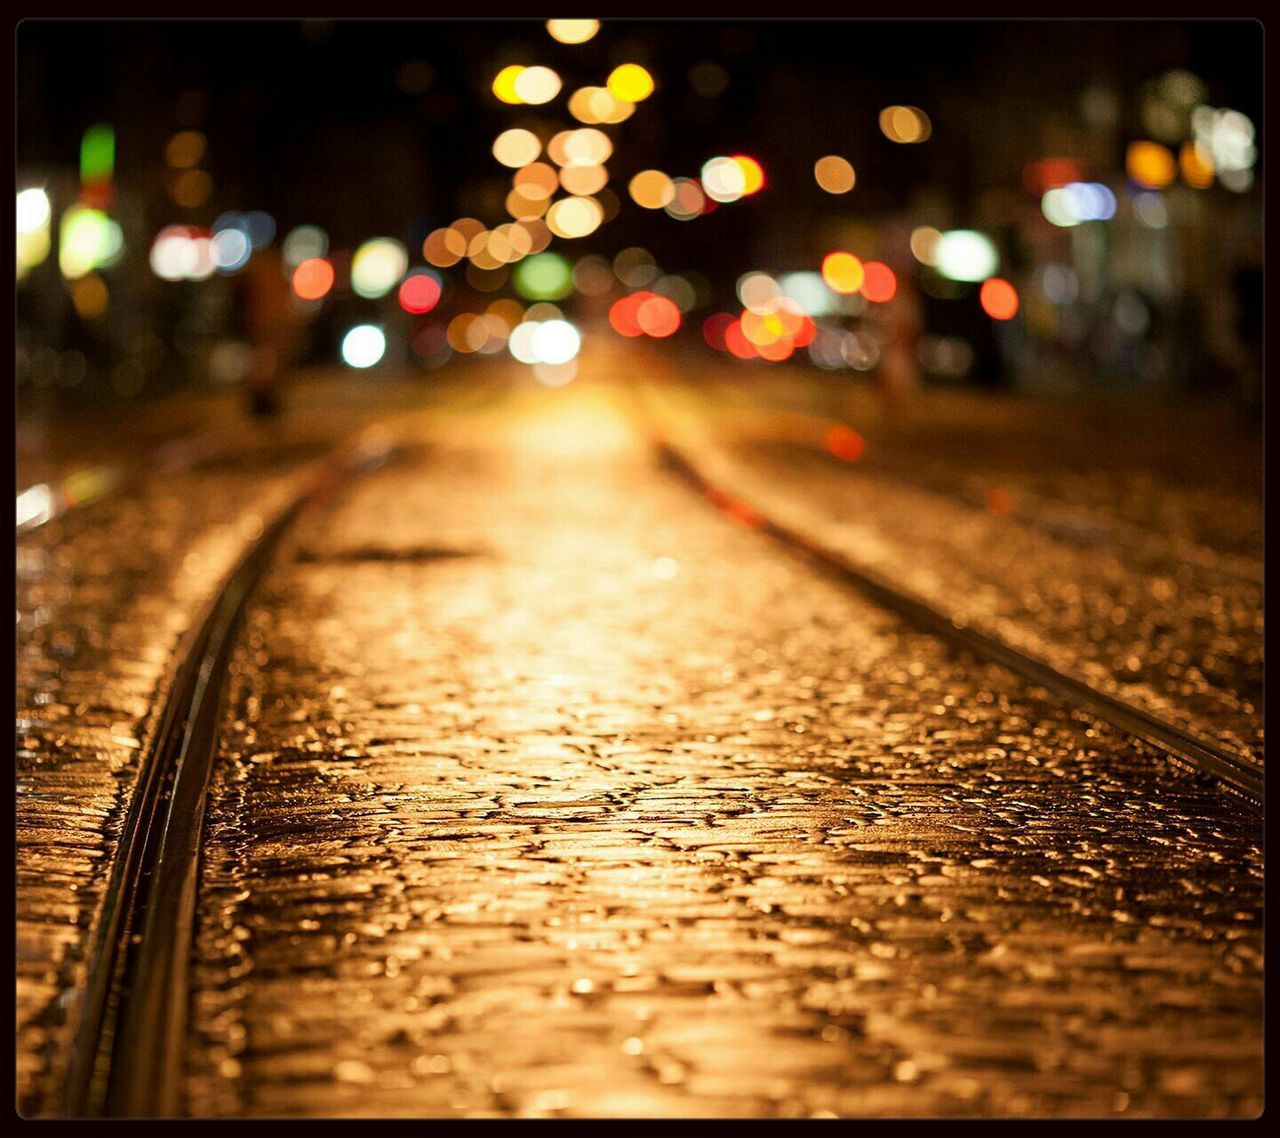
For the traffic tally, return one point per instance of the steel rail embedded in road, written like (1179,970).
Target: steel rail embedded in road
(1239,775)
(128,1052)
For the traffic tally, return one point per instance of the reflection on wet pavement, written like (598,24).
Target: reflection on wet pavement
(627,813)
(1182,639)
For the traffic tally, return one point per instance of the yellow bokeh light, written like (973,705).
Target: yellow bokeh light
(905,124)
(631,83)
(652,189)
(516,147)
(572,31)
(537,85)
(574,217)
(1150,165)
(834,174)
(752,174)
(504,84)
(843,272)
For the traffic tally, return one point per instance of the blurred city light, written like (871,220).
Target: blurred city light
(999,299)
(376,267)
(303,243)
(313,278)
(87,239)
(572,31)
(905,124)
(546,276)
(363,346)
(630,83)
(34,215)
(420,291)
(842,272)
(965,255)
(834,174)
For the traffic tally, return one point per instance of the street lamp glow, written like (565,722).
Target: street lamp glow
(33,210)
(363,346)
(377,266)
(572,31)
(555,342)
(966,255)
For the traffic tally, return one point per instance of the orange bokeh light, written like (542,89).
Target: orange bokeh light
(879,284)
(313,278)
(999,299)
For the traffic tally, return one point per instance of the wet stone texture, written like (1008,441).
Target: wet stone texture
(546,791)
(103,598)
(1181,636)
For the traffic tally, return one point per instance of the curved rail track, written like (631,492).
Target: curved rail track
(129,1045)
(1240,775)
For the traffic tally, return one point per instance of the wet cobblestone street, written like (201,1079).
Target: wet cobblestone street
(546,790)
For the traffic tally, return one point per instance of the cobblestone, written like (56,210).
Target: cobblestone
(592,804)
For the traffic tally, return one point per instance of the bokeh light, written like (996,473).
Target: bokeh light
(723,179)
(420,291)
(504,84)
(87,239)
(834,174)
(376,267)
(966,255)
(631,83)
(572,31)
(185,149)
(363,346)
(924,244)
(658,316)
(905,124)
(313,278)
(536,85)
(879,284)
(999,299)
(752,174)
(1149,164)
(843,272)
(574,217)
(516,147)
(652,189)
(303,243)
(545,276)
(687,201)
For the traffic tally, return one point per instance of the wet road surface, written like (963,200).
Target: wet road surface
(548,791)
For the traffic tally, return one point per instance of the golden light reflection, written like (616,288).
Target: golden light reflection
(572,31)
(834,174)
(516,147)
(1149,164)
(905,124)
(652,189)
(504,84)
(630,83)
(536,85)
(843,272)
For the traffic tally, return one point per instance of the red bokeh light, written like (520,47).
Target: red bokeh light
(879,285)
(419,293)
